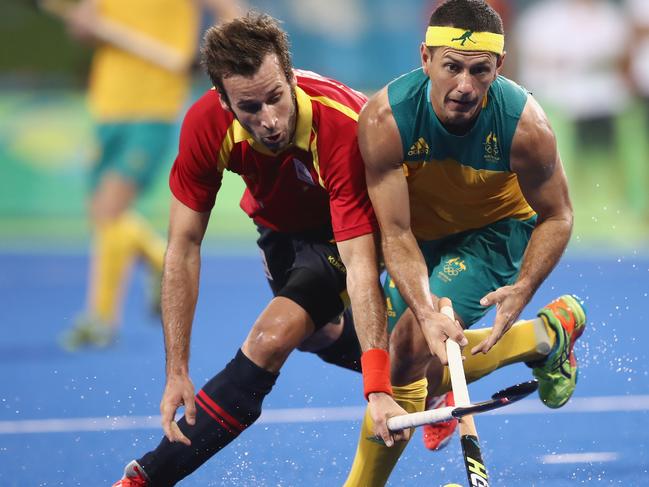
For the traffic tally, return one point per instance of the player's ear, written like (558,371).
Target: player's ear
(223,99)
(426,56)
(500,60)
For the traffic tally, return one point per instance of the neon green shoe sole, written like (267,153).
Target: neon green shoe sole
(87,332)
(557,375)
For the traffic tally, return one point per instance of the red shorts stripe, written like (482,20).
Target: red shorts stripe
(214,416)
(220,411)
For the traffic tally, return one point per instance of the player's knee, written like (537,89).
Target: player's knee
(104,212)
(409,353)
(403,336)
(274,339)
(112,197)
(321,338)
(268,345)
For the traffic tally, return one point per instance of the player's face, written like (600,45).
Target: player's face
(264,104)
(459,82)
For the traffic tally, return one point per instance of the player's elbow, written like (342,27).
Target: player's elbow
(562,221)
(566,217)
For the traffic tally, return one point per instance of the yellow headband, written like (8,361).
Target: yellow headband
(465,40)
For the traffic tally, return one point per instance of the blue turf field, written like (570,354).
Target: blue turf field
(97,403)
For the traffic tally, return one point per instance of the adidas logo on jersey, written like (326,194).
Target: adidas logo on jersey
(419,148)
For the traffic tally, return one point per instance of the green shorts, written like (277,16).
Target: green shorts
(466,266)
(134,150)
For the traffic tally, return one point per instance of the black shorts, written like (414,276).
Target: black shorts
(305,268)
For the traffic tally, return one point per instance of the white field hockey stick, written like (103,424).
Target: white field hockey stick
(475,469)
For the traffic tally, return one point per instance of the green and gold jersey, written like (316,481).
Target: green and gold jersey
(124,87)
(458,183)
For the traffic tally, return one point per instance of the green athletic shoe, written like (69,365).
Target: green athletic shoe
(557,374)
(87,331)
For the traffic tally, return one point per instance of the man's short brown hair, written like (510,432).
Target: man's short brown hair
(475,15)
(239,47)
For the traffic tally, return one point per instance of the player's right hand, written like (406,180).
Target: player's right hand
(179,391)
(80,21)
(439,328)
(382,406)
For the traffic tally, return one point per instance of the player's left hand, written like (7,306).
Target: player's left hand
(509,301)
(382,406)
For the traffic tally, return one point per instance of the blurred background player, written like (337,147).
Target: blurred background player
(635,143)
(583,88)
(139,81)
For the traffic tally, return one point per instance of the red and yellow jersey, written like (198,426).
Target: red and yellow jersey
(126,87)
(318,181)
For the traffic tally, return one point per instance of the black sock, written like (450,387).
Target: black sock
(346,351)
(227,404)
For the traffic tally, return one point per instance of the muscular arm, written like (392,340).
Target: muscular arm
(180,283)
(179,295)
(85,23)
(79,17)
(536,162)
(361,261)
(380,144)
(370,321)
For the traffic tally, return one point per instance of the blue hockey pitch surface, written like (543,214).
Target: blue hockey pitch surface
(77,419)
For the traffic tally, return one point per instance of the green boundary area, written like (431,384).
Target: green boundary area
(47,143)
(46,146)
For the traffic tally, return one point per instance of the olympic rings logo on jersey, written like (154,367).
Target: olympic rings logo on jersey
(454,266)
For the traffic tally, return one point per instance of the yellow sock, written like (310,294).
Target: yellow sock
(374,462)
(116,245)
(148,243)
(112,254)
(526,341)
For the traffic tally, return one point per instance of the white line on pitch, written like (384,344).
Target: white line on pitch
(586,457)
(314,415)
(113,423)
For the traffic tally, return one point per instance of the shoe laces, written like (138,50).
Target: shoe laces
(562,356)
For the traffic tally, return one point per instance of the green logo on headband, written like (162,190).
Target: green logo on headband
(465,37)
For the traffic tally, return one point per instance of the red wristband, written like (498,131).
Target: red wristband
(375,364)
